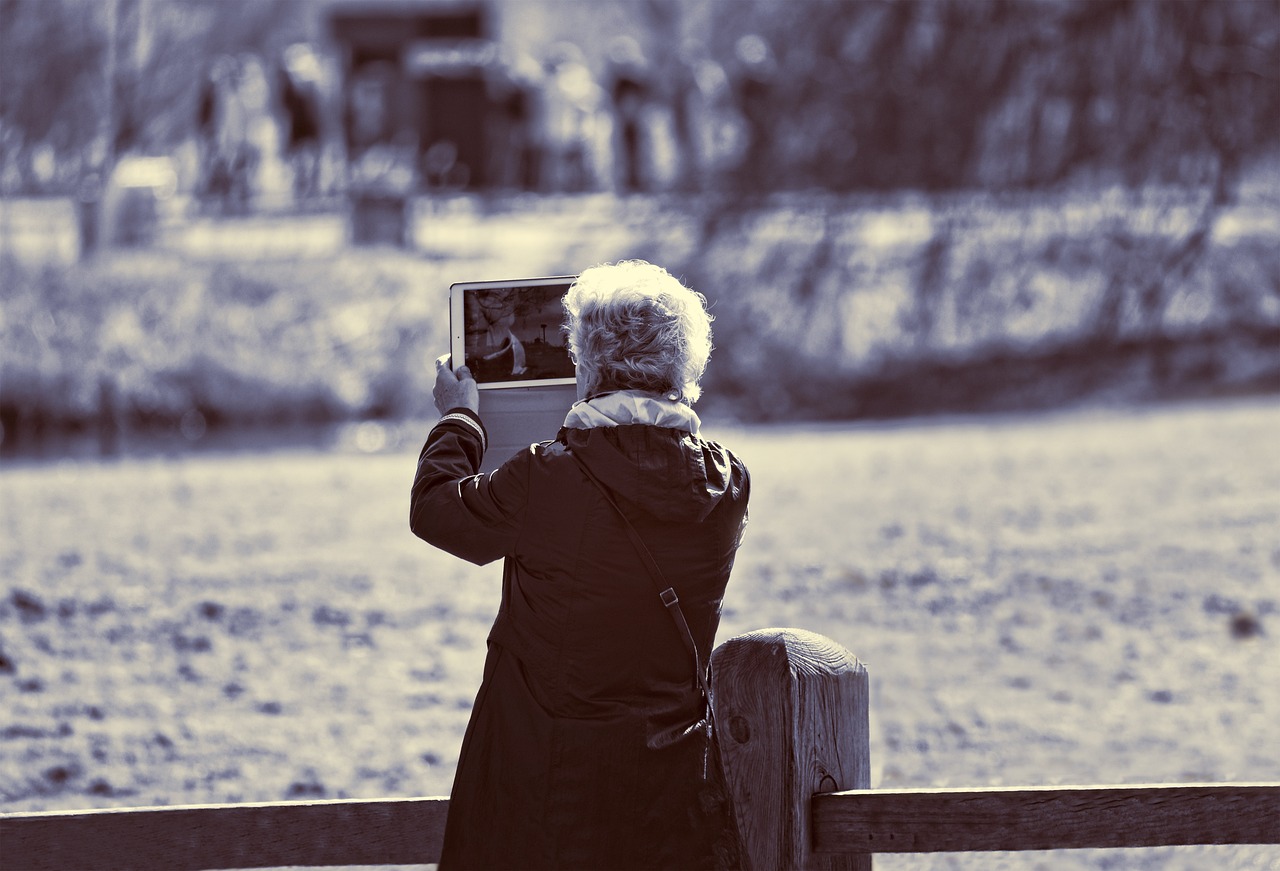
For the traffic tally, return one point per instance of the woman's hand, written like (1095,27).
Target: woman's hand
(455,389)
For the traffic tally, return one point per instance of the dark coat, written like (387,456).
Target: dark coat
(586,670)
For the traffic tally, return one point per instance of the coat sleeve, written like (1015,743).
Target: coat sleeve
(473,516)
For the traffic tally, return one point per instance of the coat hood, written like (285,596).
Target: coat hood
(663,469)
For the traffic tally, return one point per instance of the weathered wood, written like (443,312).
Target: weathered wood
(191,838)
(1046,818)
(792,709)
(410,831)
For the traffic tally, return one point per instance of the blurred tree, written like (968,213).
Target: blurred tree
(92,79)
(868,95)
(935,95)
(50,79)
(1005,94)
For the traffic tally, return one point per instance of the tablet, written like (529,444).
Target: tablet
(510,333)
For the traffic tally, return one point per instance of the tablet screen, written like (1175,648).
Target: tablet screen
(512,332)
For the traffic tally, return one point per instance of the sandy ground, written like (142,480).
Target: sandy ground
(1085,597)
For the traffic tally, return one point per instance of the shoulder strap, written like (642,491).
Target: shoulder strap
(666,592)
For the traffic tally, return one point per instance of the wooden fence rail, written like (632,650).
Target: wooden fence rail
(847,827)
(792,709)
(1045,818)
(191,838)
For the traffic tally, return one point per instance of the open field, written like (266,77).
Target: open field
(1087,597)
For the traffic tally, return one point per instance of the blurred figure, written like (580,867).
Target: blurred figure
(686,114)
(299,78)
(367,114)
(756,68)
(570,101)
(514,151)
(267,172)
(207,119)
(630,91)
(228,155)
(381,159)
(707,124)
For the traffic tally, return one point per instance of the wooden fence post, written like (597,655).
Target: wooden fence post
(792,709)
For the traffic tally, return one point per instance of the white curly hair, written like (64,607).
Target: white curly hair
(632,325)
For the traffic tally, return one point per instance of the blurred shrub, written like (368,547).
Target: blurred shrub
(950,93)
(157,337)
(842,307)
(827,306)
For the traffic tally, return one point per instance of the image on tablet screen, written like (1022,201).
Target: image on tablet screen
(516,334)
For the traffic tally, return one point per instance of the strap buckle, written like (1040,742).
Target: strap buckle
(669,597)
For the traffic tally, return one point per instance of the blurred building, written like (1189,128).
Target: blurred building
(476,94)
(421,84)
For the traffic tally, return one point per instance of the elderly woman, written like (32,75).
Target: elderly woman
(588,743)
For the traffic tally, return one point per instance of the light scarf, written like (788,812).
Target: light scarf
(624,407)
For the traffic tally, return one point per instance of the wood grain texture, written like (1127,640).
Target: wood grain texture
(792,709)
(354,832)
(1045,818)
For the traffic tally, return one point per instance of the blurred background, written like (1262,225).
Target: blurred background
(996,287)
(219,214)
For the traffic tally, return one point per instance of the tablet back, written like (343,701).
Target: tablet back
(516,417)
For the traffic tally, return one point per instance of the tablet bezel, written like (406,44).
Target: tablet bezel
(457,327)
